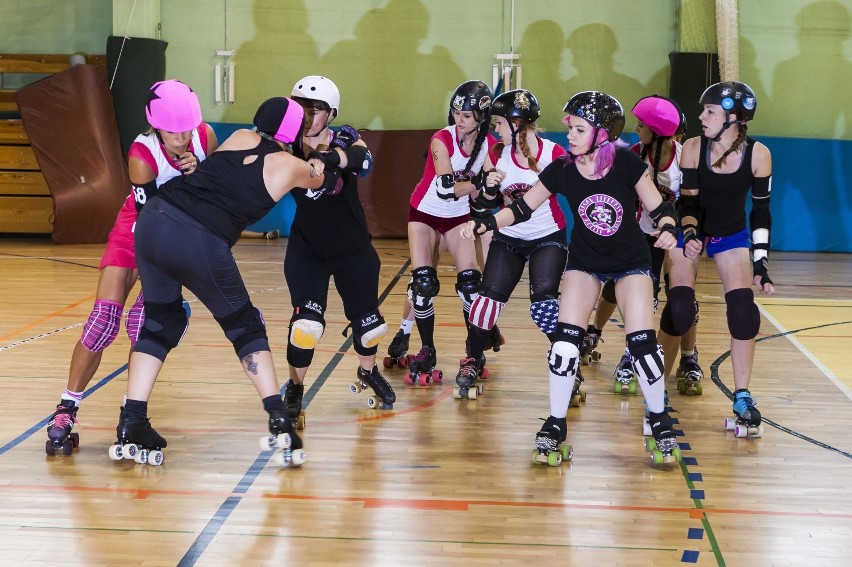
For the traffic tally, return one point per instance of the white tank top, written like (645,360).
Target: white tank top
(148,148)
(668,184)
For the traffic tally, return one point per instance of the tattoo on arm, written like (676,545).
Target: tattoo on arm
(250,363)
(435,155)
(312,170)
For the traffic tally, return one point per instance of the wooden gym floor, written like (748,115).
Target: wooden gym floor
(436,481)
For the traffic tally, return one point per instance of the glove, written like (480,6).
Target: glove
(478,180)
(483,224)
(761,269)
(345,137)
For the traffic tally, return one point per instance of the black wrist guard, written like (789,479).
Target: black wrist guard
(483,224)
(328,157)
(761,269)
(669,228)
(478,180)
(688,236)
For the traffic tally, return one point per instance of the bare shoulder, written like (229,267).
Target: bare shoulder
(241,140)
(689,153)
(761,160)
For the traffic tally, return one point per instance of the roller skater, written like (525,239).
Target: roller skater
(746,420)
(550,447)
(282,435)
(137,440)
(293,392)
(385,396)
(421,369)
(59,435)
(470,370)
(588,351)
(398,351)
(663,446)
(625,378)
(689,374)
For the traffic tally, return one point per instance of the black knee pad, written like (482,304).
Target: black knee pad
(245,329)
(608,292)
(306,328)
(647,355)
(367,332)
(468,283)
(423,289)
(679,313)
(165,324)
(743,315)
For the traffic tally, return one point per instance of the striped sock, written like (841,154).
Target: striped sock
(75,397)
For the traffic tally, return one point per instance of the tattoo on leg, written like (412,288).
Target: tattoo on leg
(251,363)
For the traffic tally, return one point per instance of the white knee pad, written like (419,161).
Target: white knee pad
(305,333)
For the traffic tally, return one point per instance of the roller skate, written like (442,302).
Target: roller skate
(384,397)
(746,420)
(578,394)
(495,339)
(421,369)
(137,440)
(293,393)
(689,375)
(282,435)
(470,370)
(663,446)
(59,435)
(398,351)
(646,424)
(550,447)
(588,350)
(624,377)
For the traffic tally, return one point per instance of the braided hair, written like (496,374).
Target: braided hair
(520,135)
(741,136)
(481,135)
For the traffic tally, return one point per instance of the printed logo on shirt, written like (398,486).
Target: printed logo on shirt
(516,190)
(601,214)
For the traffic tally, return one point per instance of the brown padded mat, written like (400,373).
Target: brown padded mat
(70,121)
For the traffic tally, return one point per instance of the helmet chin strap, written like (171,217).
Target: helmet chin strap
(596,147)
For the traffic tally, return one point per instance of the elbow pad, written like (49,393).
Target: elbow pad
(689,179)
(143,192)
(760,221)
(445,185)
(355,158)
(521,210)
(664,210)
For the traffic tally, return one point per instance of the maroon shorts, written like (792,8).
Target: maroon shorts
(440,224)
(119,249)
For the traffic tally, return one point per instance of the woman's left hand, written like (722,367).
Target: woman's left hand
(187,163)
(665,240)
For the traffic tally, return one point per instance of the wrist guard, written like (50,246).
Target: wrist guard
(327,157)
(478,180)
(664,210)
(760,269)
(688,236)
(669,228)
(345,137)
(483,224)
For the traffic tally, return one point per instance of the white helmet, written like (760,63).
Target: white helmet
(315,87)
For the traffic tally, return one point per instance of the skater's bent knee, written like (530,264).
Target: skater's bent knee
(368,331)
(102,327)
(679,313)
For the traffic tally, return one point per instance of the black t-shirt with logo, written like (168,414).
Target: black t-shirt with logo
(606,236)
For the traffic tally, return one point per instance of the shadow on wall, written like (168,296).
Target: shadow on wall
(817,195)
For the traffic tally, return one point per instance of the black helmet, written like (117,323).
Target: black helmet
(519,103)
(472,95)
(681,128)
(599,109)
(733,96)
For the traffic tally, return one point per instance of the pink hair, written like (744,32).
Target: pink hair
(604,156)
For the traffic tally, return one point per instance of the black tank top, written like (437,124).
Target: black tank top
(224,194)
(722,196)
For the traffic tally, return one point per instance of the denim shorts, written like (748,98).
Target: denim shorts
(604,277)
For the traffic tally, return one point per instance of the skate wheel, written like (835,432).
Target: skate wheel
(437,376)
(677,454)
(650,444)
(730,423)
(472,393)
(554,459)
(387,362)
(129,450)
(586,359)
(617,387)
(631,388)
(480,388)
(141,457)
(646,427)
(297,458)
(681,386)
(115,453)
(457,393)
(409,379)
(485,374)
(423,379)
(567,452)
(575,401)
(283,441)
(300,421)
(372,402)
(49,448)
(582,394)
(155,458)
(697,388)
(75,439)
(267,443)
(67,446)
(656,456)
(355,387)
(405,362)
(596,356)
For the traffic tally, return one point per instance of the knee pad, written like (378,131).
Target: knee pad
(423,289)
(165,324)
(484,312)
(563,358)
(245,329)
(679,313)
(608,292)
(367,332)
(306,328)
(544,311)
(647,355)
(135,319)
(468,283)
(102,327)
(743,315)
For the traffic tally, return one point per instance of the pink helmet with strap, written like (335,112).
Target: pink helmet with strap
(660,114)
(172,106)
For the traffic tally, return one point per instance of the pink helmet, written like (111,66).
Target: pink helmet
(660,114)
(172,106)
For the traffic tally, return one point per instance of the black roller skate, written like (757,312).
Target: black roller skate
(293,393)
(421,369)
(137,440)
(384,397)
(646,423)
(578,394)
(550,447)
(588,350)
(663,446)
(624,377)
(689,375)
(398,351)
(59,435)
(470,370)
(495,339)
(746,420)
(283,436)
